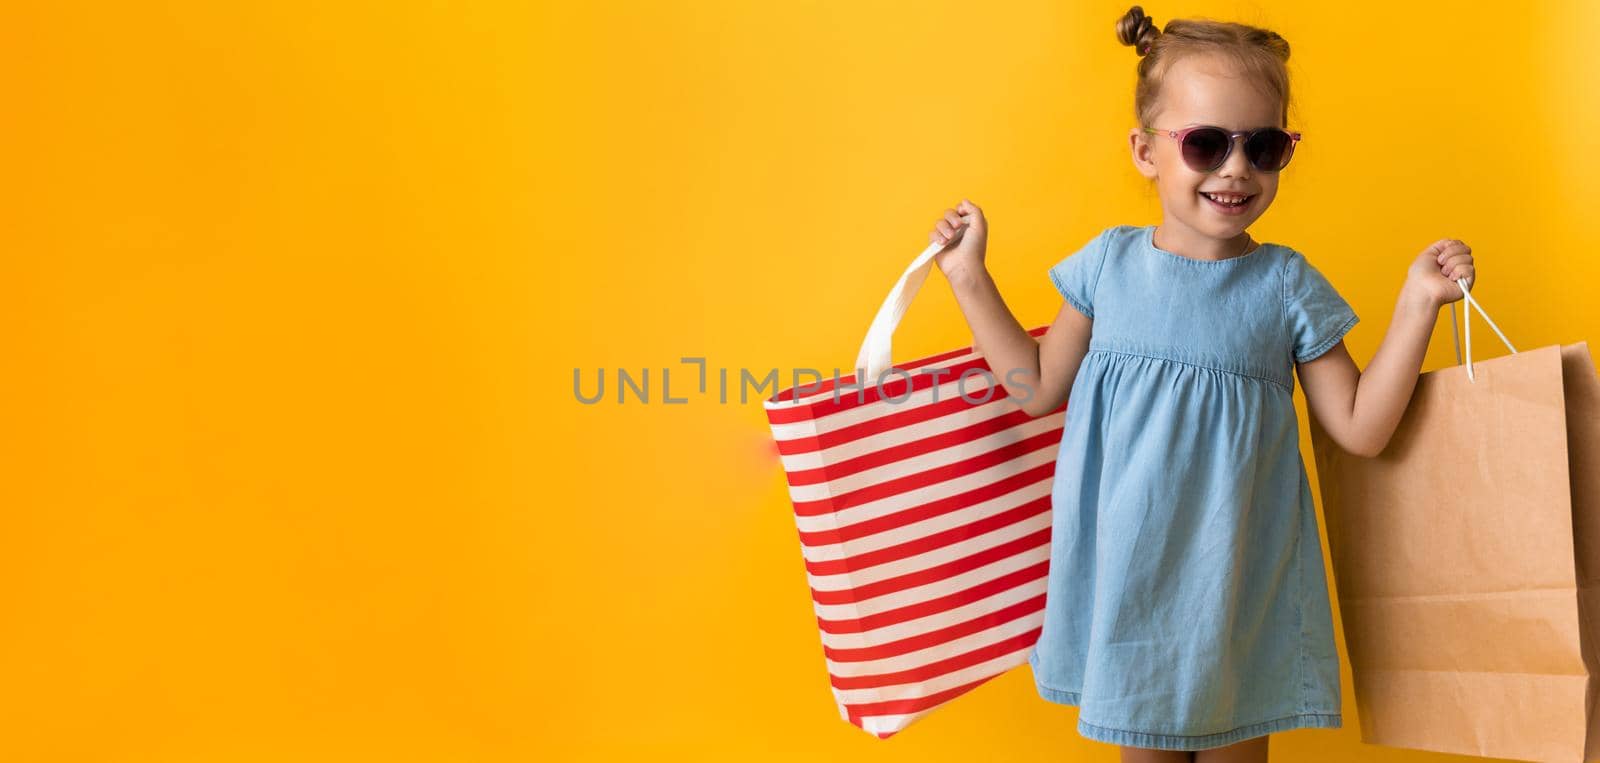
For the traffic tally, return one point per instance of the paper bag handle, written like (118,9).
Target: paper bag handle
(877,349)
(1455,330)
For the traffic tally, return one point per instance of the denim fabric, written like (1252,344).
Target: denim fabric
(1187,607)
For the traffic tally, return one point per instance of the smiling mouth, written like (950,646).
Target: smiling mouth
(1231,205)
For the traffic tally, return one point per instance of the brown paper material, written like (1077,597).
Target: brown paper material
(1466,559)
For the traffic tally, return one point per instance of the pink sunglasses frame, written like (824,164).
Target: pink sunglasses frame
(1233,136)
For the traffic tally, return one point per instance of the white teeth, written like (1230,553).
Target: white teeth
(1225,199)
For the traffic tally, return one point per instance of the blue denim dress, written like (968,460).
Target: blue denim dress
(1186,606)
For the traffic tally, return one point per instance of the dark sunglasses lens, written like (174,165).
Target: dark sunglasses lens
(1205,148)
(1269,150)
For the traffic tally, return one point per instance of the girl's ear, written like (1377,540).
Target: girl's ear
(1143,152)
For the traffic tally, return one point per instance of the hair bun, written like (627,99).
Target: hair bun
(1137,29)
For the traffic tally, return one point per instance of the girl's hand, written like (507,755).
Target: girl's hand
(966,227)
(1434,272)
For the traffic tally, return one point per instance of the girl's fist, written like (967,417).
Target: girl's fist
(964,235)
(1435,271)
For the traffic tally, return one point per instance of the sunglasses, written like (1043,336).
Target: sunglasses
(1205,148)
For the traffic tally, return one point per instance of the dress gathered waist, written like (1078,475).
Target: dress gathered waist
(1191,358)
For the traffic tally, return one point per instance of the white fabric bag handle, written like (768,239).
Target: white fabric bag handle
(876,353)
(1455,330)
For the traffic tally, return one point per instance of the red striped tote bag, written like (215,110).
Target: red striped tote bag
(923,506)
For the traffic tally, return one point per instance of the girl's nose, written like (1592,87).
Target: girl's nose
(1236,165)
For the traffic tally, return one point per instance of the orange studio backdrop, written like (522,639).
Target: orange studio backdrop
(296,296)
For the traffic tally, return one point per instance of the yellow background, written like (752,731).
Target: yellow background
(294,294)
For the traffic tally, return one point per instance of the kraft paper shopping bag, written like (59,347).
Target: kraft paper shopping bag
(1466,557)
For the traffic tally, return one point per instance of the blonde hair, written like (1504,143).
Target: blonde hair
(1260,54)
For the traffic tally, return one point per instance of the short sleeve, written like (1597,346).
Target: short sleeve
(1075,276)
(1317,316)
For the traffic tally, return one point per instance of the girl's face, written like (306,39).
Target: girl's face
(1204,90)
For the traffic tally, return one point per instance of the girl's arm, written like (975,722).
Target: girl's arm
(1360,410)
(1038,374)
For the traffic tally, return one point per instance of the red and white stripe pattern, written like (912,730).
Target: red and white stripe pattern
(925,528)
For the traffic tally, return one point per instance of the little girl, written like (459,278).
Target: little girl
(1186,606)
